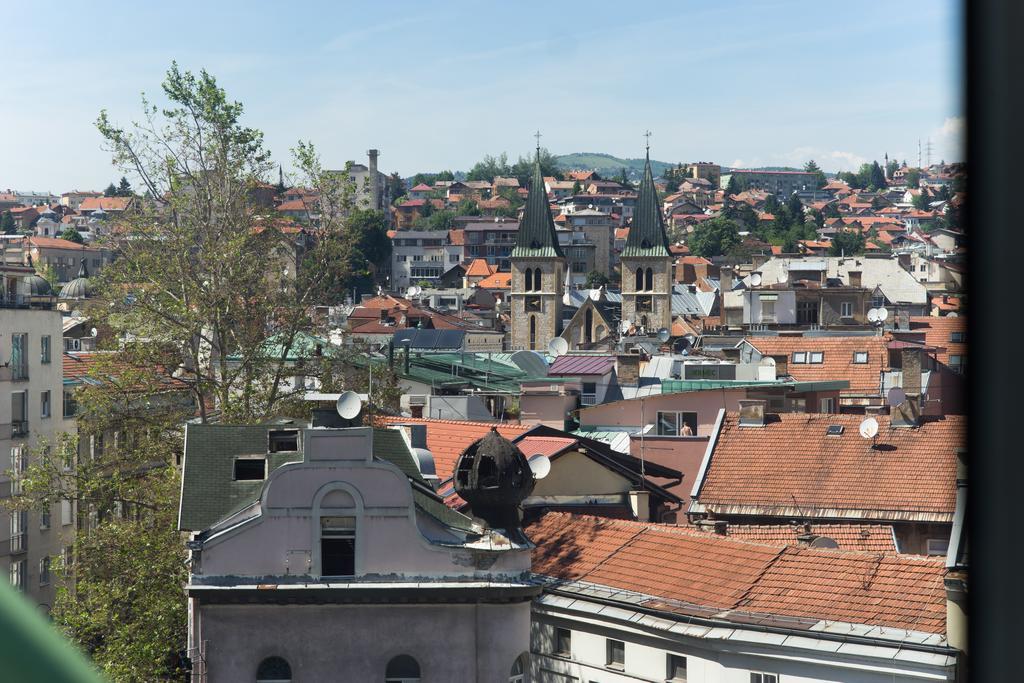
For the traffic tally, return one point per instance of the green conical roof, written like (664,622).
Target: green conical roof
(647,236)
(536,235)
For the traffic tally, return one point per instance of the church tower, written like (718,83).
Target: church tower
(647,263)
(538,268)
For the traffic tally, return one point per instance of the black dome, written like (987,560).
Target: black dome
(494,477)
(39,285)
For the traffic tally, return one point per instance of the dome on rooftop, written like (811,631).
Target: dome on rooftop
(38,285)
(80,287)
(494,477)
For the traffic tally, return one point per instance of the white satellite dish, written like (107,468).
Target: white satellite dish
(664,334)
(410,293)
(540,465)
(873,315)
(624,326)
(93,332)
(595,295)
(883,313)
(953,314)
(755,279)
(558,346)
(895,396)
(869,428)
(348,405)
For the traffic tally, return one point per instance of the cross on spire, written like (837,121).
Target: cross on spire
(647,135)
(538,136)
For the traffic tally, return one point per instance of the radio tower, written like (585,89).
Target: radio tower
(919,152)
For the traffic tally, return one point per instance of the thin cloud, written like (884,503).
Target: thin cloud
(346,39)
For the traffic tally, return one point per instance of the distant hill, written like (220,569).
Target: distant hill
(608,166)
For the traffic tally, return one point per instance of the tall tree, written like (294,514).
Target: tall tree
(622,179)
(72,235)
(714,237)
(847,243)
(7,224)
(913,178)
(395,186)
(892,167)
(445,175)
(819,176)
(111,190)
(796,208)
(733,186)
(124,188)
(876,177)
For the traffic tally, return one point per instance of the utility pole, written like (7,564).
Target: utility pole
(928,150)
(919,152)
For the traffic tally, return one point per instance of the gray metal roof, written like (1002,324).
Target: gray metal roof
(429,339)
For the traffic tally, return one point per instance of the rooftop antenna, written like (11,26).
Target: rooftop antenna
(869,430)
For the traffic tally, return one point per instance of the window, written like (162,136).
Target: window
(799,357)
(807,312)
(68,555)
(533,332)
(677,423)
(274,670)
(676,670)
(337,546)
(532,304)
(65,512)
(283,441)
(44,518)
(937,546)
(44,570)
(649,280)
(846,309)
(45,348)
(250,469)
(19,356)
(768,311)
(563,642)
(19,413)
(877,301)
(817,357)
(402,669)
(44,404)
(518,672)
(956,337)
(18,571)
(924,267)
(828,405)
(860,356)
(70,405)
(19,537)
(763,678)
(19,463)
(616,654)
(400,258)
(588,395)
(453,258)
(644,304)
(956,363)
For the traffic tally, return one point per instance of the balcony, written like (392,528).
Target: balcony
(588,399)
(19,428)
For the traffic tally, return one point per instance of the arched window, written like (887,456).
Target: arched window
(529,279)
(274,670)
(402,669)
(588,326)
(518,673)
(650,280)
(639,280)
(533,332)
(536,280)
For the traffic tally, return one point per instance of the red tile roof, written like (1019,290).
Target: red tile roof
(480,268)
(59,243)
(446,439)
(874,538)
(496,281)
(422,187)
(899,591)
(791,466)
(938,331)
(294,205)
(457,237)
(544,445)
(581,365)
(106,203)
(837,357)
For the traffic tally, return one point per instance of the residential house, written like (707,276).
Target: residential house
(420,256)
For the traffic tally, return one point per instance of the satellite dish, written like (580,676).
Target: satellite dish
(869,428)
(895,396)
(755,279)
(664,334)
(93,332)
(784,276)
(883,313)
(953,314)
(873,315)
(824,542)
(595,295)
(410,293)
(624,326)
(348,405)
(558,346)
(540,465)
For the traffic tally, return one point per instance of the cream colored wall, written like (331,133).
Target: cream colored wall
(627,413)
(575,474)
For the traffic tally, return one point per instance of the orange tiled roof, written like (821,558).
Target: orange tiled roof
(457,237)
(763,470)
(899,591)
(872,538)
(496,281)
(446,439)
(938,331)
(60,243)
(837,357)
(480,268)
(105,203)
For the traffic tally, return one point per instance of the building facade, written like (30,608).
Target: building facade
(647,264)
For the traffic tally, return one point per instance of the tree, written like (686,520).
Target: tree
(622,179)
(796,208)
(818,218)
(922,200)
(714,237)
(892,167)
(913,178)
(831,210)
(819,176)
(7,224)
(671,185)
(576,188)
(395,186)
(111,191)
(523,168)
(732,187)
(467,207)
(742,213)
(846,243)
(442,220)
(445,176)
(875,179)
(72,235)
(124,188)
(596,279)
(489,167)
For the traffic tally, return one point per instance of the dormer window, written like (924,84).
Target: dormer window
(250,469)
(860,356)
(283,441)
(337,546)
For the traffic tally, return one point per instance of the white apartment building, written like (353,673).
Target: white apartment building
(421,256)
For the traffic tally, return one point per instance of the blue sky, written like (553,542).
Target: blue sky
(438,85)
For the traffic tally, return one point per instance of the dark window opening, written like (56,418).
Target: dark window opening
(533,332)
(639,280)
(283,440)
(402,669)
(250,469)
(487,472)
(532,304)
(273,670)
(337,546)
(616,654)
(563,641)
(649,280)
(529,280)
(536,280)
(644,304)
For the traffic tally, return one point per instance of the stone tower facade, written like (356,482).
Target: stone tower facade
(538,271)
(647,263)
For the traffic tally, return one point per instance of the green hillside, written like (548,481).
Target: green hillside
(608,166)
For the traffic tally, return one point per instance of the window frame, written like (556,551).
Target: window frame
(680,418)
(671,657)
(812,354)
(957,337)
(45,349)
(802,360)
(612,647)
(338,533)
(865,354)
(763,677)
(845,309)
(249,459)
(563,636)
(45,404)
(44,570)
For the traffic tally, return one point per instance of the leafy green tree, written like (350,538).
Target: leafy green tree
(124,188)
(442,220)
(523,168)
(831,210)
(576,188)
(771,205)
(819,176)
(622,179)
(395,185)
(467,207)
(671,185)
(851,179)
(846,243)
(7,224)
(424,179)
(922,200)
(818,218)
(489,167)
(714,237)
(796,208)
(445,176)
(742,213)
(72,235)
(596,279)
(111,191)
(892,167)
(733,186)
(913,178)
(875,179)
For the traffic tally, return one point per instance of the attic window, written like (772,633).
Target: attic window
(250,469)
(283,441)
(860,356)
(799,356)
(817,357)
(956,337)
(834,430)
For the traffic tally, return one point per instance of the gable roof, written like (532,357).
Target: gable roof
(734,579)
(536,236)
(791,467)
(496,281)
(837,359)
(480,268)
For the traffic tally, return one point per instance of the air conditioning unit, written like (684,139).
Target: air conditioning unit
(417,400)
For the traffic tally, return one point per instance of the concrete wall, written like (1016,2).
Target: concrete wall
(574,474)
(477,643)
(627,413)
(546,409)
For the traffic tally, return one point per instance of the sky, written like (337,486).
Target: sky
(438,85)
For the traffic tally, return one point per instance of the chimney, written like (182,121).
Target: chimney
(374,180)
(719,526)
(640,502)
(628,369)
(903,316)
(752,412)
(911,371)
(725,280)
